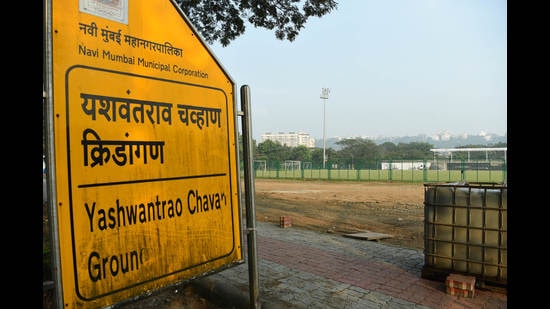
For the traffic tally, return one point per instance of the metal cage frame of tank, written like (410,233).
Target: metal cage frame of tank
(465,231)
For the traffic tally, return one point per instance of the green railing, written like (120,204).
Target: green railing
(398,171)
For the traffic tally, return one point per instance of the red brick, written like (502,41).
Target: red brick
(284,221)
(461,282)
(460,292)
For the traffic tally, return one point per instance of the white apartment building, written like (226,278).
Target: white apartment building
(290,139)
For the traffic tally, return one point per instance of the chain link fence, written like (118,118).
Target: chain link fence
(388,170)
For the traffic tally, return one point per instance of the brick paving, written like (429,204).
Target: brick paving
(305,269)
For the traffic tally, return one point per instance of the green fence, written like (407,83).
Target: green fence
(391,170)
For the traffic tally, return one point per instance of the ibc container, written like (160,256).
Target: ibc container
(465,231)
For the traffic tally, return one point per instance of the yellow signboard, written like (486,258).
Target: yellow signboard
(145,151)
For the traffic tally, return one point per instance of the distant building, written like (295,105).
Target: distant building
(290,139)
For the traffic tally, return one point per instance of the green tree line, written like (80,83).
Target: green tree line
(357,153)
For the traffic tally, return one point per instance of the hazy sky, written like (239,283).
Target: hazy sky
(394,68)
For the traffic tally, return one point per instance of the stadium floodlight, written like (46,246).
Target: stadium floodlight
(324,96)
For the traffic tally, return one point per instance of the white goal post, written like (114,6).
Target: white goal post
(260,165)
(292,165)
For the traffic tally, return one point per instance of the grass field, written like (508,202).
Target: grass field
(489,176)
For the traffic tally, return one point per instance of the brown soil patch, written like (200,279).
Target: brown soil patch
(346,207)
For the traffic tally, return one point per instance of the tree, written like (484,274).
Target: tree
(224,20)
(273,151)
(300,153)
(414,150)
(363,150)
(317,157)
(388,150)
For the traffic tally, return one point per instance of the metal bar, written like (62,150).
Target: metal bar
(47,102)
(248,156)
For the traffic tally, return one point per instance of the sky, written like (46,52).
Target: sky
(393,68)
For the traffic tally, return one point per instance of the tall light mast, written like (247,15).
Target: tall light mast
(324,96)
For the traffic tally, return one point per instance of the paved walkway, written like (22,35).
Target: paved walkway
(299,268)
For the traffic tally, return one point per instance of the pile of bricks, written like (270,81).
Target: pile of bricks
(460,285)
(284,221)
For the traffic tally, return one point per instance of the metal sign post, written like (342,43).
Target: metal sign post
(250,201)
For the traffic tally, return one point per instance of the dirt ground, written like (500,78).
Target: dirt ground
(395,209)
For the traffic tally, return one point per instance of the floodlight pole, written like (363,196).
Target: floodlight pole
(324,96)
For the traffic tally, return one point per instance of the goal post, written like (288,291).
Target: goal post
(260,165)
(292,165)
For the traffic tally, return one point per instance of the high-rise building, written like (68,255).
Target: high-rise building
(290,139)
